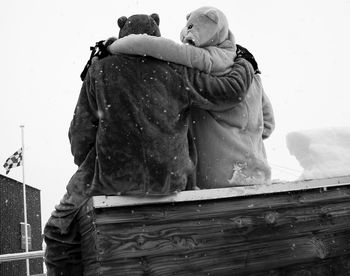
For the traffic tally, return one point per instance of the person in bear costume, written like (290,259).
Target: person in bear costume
(229,138)
(128,135)
(207,43)
(135,24)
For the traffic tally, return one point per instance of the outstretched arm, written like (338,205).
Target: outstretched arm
(208,91)
(168,50)
(157,47)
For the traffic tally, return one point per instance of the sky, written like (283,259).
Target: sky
(301,47)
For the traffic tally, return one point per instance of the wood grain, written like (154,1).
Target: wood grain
(229,236)
(231,192)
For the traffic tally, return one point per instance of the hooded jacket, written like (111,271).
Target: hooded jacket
(216,59)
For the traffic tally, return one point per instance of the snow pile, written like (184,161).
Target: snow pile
(321,152)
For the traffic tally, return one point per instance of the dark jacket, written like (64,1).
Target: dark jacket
(129,130)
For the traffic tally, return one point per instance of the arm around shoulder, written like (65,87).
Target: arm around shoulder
(206,89)
(146,45)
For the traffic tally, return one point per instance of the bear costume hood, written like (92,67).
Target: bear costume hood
(206,26)
(139,24)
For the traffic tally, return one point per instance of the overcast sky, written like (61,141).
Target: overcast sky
(302,48)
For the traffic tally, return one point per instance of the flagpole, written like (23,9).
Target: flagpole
(24,202)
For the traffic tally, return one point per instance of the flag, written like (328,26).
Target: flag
(14,160)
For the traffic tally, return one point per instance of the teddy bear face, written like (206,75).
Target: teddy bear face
(205,26)
(139,24)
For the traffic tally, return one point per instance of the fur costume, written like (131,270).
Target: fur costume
(230,144)
(129,136)
(208,44)
(228,139)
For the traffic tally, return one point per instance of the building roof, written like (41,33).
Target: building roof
(4,178)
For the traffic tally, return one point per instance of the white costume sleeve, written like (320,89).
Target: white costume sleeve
(210,60)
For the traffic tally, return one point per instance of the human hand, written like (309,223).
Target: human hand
(108,42)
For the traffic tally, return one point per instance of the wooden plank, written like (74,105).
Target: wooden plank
(210,194)
(152,214)
(338,266)
(210,221)
(239,259)
(221,236)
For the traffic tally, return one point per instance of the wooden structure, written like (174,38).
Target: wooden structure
(294,228)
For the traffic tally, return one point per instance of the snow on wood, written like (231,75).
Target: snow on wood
(113,201)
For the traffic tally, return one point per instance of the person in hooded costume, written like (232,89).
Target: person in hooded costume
(129,135)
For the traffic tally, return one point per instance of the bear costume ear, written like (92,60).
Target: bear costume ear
(121,21)
(213,15)
(155,17)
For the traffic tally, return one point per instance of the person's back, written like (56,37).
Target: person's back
(229,141)
(140,135)
(138,119)
(129,135)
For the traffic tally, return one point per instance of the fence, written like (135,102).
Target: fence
(22,256)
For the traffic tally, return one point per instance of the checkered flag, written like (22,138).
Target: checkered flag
(14,160)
